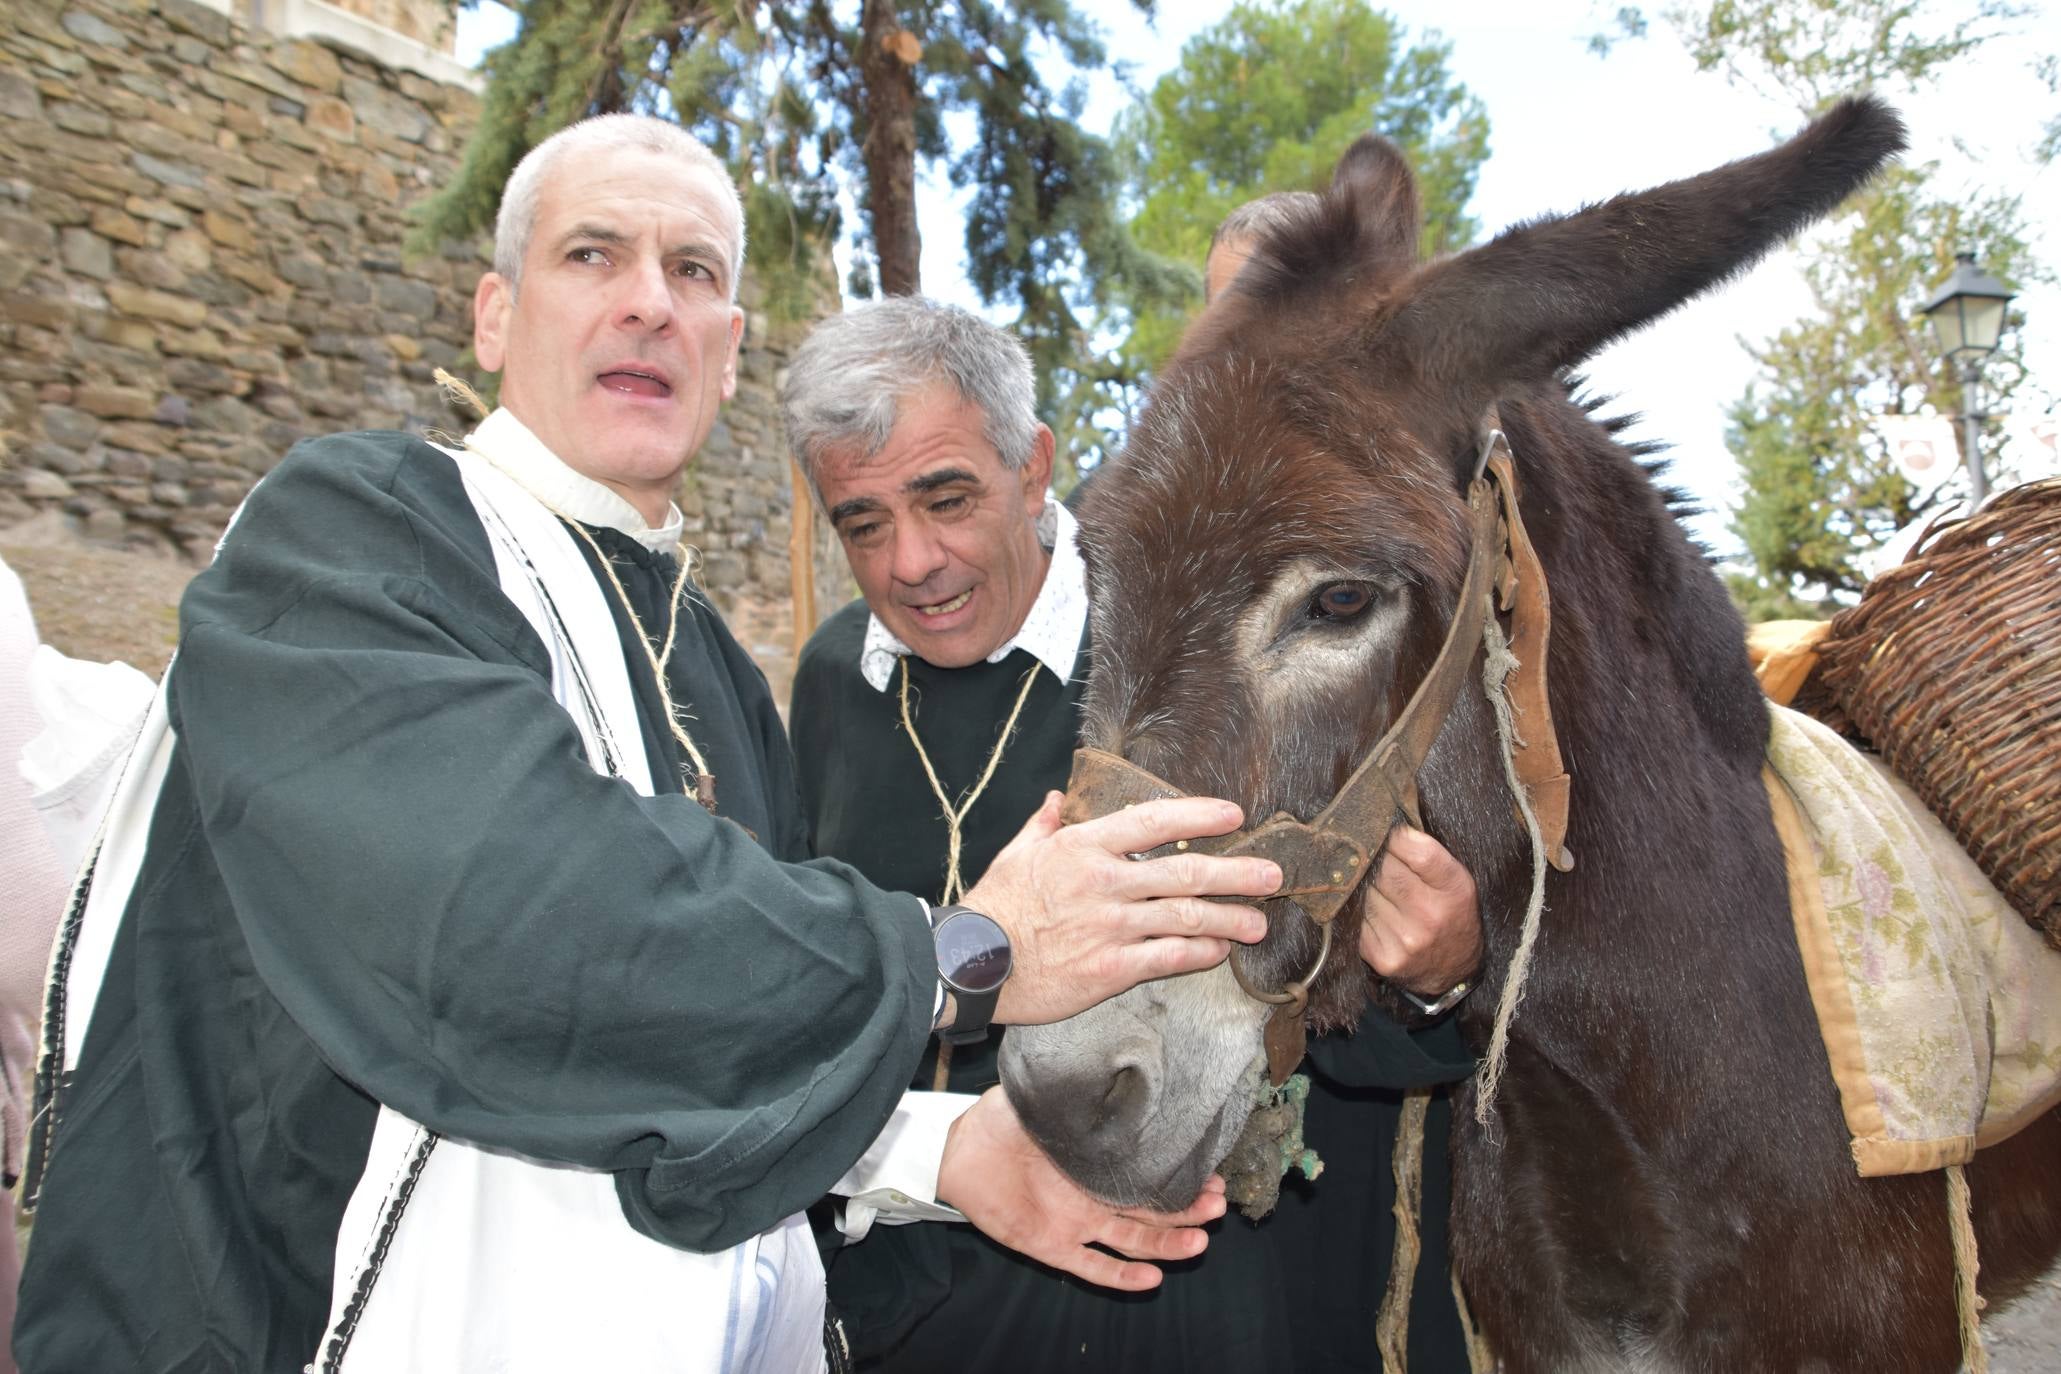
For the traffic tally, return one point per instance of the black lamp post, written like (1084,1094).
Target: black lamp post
(1967,314)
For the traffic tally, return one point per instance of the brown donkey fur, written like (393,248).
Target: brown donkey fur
(1665,1182)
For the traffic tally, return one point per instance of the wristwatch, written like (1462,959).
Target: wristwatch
(973,963)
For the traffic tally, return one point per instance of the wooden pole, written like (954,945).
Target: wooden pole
(801,556)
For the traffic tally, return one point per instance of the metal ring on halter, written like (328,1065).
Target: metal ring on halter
(1303,984)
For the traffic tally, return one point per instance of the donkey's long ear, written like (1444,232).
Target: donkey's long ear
(1366,227)
(1547,294)
(1374,183)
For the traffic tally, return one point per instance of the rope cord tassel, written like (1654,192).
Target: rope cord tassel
(1480,1359)
(1968,1303)
(458,391)
(1392,1326)
(1498,663)
(704,781)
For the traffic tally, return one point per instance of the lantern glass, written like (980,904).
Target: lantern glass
(1982,322)
(1968,311)
(1947,324)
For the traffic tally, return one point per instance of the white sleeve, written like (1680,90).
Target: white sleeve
(88,715)
(937,998)
(895,1181)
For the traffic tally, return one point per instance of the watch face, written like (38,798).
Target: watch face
(972,952)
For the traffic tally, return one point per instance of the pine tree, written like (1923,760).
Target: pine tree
(801,99)
(1265,100)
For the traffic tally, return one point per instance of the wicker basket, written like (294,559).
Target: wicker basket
(1951,667)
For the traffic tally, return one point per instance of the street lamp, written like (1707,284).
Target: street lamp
(1967,314)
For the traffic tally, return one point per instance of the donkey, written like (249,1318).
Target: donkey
(1664,1180)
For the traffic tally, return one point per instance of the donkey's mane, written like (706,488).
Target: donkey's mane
(1646,452)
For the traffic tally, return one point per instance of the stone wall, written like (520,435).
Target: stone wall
(201,262)
(204,265)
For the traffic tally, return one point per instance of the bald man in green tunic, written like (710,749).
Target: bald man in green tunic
(928,718)
(451,992)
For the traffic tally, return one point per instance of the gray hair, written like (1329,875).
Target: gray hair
(602,133)
(1264,214)
(846,382)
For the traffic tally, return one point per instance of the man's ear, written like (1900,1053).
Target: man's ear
(1220,268)
(491,302)
(736,341)
(1037,473)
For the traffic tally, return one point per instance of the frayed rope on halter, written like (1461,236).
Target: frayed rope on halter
(1498,663)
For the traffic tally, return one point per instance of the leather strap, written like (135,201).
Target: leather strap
(1383,789)
(1317,865)
(1521,592)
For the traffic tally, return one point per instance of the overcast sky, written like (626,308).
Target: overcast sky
(1568,128)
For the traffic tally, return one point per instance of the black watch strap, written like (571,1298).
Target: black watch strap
(973,1013)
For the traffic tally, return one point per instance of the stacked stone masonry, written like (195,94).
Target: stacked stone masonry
(201,263)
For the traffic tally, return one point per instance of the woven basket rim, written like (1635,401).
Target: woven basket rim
(1950,665)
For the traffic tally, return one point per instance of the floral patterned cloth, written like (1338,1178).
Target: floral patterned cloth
(1940,1005)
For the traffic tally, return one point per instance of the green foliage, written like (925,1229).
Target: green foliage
(2048,70)
(1266,100)
(1758,601)
(1044,235)
(1819,488)
(1811,52)
(1814,51)
(709,68)
(1628,22)
(1270,97)
(777,91)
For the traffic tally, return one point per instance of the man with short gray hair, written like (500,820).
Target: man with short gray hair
(928,718)
(963,389)
(450,992)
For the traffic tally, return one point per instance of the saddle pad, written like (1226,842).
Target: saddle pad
(1940,1006)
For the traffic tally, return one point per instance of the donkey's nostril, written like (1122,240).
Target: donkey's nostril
(1125,1102)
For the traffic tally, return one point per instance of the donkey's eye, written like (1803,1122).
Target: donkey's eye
(1340,601)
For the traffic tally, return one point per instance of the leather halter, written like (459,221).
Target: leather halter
(1323,861)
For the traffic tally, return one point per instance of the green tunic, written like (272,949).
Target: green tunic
(381,870)
(1296,1291)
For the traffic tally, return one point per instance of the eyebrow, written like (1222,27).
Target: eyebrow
(915,486)
(698,248)
(709,254)
(943,477)
(858,505)
(595,233)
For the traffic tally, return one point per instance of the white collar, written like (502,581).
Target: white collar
(507,443)
(1051,633)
